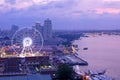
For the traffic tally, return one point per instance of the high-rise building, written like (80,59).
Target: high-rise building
(47,30)
(14,28)
(38,27)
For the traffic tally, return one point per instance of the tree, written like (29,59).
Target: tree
(64,72)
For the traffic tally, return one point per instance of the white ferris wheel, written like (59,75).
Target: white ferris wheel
(27,41)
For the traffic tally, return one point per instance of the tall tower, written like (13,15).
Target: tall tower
(14,28)
(38,27)
(47,30)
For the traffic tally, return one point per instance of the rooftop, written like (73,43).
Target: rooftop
(28,77)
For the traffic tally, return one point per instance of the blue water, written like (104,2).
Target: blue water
(103,53)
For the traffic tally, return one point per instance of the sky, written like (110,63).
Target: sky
(65,14)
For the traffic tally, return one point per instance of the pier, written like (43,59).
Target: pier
(12,74)
(74,60)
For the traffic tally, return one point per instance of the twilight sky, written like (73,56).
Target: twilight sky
(65,14)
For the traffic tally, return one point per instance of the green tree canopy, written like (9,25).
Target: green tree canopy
(64,72)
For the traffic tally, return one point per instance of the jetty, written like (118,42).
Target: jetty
(74,60)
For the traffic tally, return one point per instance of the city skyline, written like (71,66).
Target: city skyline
(65,14)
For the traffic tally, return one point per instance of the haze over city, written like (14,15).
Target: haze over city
(65,14)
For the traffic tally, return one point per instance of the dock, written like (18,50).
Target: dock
(74,60)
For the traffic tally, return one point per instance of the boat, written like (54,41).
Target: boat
(85,48)
(101,72)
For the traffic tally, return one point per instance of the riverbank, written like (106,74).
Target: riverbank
(103,53)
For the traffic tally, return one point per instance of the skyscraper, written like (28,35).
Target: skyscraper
(38,27)
(47,30)
(14,28)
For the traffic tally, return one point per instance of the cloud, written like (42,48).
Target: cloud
(58,8)
(111,0)
(2,2)
(107,10)
(6,5)
(69,12)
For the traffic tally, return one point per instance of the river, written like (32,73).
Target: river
(103,53)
